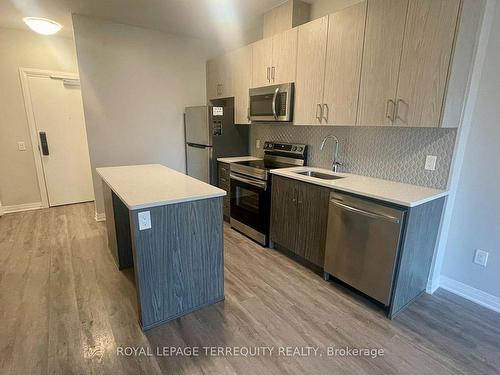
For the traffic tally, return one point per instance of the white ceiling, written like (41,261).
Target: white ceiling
(212,19)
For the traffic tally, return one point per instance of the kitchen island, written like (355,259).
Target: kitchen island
(169,227)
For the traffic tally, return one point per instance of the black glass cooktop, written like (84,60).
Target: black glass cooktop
(264,164)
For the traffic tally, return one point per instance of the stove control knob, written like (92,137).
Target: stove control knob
(294,148)
(300,149)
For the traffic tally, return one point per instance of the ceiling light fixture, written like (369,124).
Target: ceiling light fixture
(42,25)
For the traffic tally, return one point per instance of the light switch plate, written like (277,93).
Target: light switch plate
(430,162)
(481,257)
(21,146)
(144,220)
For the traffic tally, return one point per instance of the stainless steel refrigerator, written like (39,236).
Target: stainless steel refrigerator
(210,134)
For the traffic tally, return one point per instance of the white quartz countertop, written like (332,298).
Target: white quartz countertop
(394,192)
(237,159)
(151,185)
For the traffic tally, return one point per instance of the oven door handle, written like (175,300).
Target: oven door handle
(275,96)
(259,184)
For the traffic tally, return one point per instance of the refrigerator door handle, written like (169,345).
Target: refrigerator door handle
(196,145)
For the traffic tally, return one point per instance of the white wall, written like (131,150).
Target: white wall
(135,85)
(475,222)
(18,179)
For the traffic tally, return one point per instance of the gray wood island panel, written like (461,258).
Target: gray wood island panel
(180,269)
(177,249)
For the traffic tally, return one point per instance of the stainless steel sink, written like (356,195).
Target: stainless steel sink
(320,175)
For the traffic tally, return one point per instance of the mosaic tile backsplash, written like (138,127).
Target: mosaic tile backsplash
(396,154)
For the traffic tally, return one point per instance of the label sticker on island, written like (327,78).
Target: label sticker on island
(217,111)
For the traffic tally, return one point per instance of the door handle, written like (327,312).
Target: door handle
(259,184)
(326,112)
(44,144)
(319,115)
(373,215)
(300,196)
(397,106)
(274,102)
(388,111)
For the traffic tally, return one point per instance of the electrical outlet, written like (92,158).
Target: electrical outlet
(144,220)
(430,162)
(257,143)
(21,146)
(481,257)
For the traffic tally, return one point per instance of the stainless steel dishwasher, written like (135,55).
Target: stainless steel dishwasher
(362,244)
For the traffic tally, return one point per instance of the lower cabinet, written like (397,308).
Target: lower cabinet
(299,216)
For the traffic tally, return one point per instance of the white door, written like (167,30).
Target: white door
(58,111)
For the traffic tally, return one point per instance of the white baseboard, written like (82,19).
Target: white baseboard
(100,216)
(21,207)
(472,294)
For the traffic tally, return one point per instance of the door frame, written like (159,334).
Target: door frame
(24,74)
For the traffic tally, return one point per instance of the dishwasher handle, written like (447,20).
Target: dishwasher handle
(373,215)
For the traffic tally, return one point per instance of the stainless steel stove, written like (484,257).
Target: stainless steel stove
(251,187)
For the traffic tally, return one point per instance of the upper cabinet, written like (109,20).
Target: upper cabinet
(406,60)
(385,26)
(220,77)
(242,72)
(425,61)
(346,30)
(376,63)
(329,57)
(262,60)
(311,54)
(273,59)
(285,17)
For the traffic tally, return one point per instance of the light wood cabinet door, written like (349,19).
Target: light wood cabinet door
(311,53)
(283,15)
(226,75)
(284,64)
(212,79)
(242,71)
(220,77)
(385,25)
(262,60)
(425,61)
(346,30)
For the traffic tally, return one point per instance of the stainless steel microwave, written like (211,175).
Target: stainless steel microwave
(271,103)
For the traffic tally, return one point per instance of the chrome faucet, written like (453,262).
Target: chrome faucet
(335,162)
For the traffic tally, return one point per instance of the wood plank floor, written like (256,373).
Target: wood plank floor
(65,309)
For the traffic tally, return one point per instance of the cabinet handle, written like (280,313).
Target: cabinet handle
(300,197)
(294,197)
(268,77)
(319,112)
(397,106)
(248,113)
(273,72)
(388,111)
(326,112)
